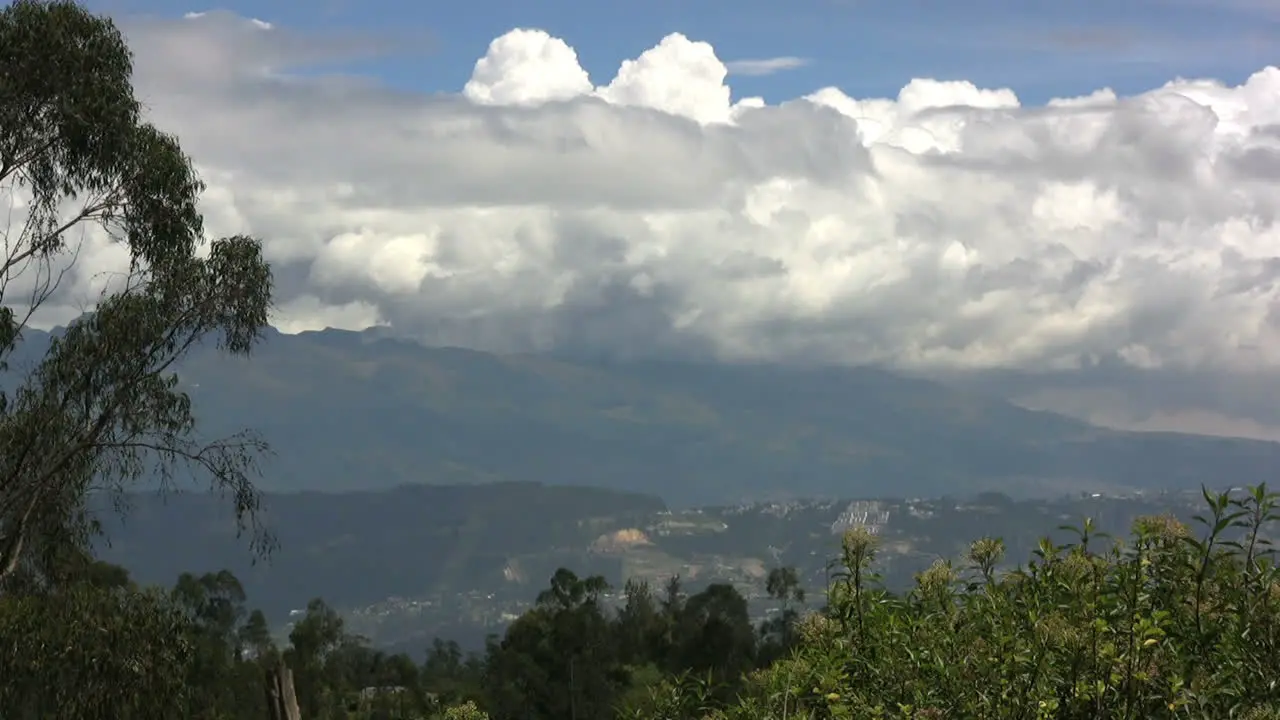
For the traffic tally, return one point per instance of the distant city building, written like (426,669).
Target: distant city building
(867,514)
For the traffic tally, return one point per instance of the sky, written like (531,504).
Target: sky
(865,47)
(1073,203)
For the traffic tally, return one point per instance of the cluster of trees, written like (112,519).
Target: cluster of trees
(572,657)
(98,645)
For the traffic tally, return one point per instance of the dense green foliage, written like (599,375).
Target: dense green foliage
(1170,623)
(1174,621)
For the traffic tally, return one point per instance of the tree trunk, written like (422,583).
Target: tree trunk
(282,701)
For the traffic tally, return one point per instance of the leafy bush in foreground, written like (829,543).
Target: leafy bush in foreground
(1166,624)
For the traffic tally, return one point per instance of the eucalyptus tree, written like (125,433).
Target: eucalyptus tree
(99,409)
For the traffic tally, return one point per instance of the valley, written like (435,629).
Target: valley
(409,564)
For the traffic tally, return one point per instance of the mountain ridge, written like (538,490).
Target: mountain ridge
(361,410)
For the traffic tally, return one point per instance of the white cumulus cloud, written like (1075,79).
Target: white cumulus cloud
(527,67)
(948,228)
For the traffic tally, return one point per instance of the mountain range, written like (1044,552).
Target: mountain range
(351,411)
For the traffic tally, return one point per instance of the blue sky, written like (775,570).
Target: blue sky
(865,47)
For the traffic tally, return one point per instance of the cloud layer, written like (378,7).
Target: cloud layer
(765,66)
(947,228)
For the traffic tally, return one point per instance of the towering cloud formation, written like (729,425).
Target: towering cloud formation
(949,227)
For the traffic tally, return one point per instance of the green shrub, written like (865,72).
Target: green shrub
(1169,623)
